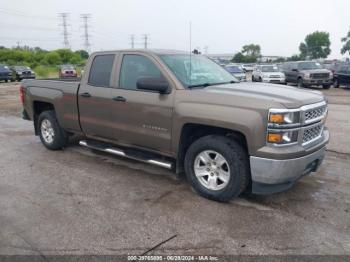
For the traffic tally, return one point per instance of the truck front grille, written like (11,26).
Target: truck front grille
(312,134)
(315,113)
(319,75)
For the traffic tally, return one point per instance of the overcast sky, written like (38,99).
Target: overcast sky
(278,26)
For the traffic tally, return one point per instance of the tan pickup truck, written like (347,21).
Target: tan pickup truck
(186,113)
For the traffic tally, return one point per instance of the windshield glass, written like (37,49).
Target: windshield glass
(22,68)
(309,66)
(3,67)
(269,68)
(234,69)
(67,67)
(197,70)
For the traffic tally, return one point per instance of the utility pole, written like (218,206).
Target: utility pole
(64,17)
(132,41)
(145,43)
(86,35)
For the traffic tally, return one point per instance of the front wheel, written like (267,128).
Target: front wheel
(51,134)
(326,86)
(336,83)
(300,83)
(217,168)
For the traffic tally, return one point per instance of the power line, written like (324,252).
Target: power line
(64,17)
(86,35)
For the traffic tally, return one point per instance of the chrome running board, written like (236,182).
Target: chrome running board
(119,152)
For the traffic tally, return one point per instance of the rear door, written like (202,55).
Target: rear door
(141,118)
(95,97)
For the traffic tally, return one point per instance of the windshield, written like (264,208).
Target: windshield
(309,66)
(197,70)
(233,69)
(3,67)
(67,67)
(22,68)
(269,68)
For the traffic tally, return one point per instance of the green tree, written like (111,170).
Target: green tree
(52,58)
(346,47)
(251,50)
(82,53)
(238,58)
(316,45)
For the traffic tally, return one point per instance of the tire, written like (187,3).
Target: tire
(336,83)
(300,83)
(51,134)
(260,79)
(253,79)
(326,86)
(236,168)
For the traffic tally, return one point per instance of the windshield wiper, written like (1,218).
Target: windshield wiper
(212,84)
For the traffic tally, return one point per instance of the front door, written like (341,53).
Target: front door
(141,118)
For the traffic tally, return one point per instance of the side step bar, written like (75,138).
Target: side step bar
(123,153)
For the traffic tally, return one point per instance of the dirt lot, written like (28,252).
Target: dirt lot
(76,202)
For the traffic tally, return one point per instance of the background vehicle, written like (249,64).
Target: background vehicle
(342,75)
(307,73)
(268,74)
(187,114)
(67,71)
(5,73)
(248,67)
(236,71)
(22,72)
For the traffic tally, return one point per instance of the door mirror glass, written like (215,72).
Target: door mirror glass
(157,84)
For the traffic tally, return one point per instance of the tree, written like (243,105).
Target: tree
(83,54)
(52,58)
(316,45)
(249,54)
(346,46)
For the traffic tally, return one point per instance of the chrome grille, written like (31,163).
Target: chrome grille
(315,113)
(319,75)
(312,133)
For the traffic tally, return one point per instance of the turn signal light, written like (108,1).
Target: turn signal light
(274,138)
(276,118)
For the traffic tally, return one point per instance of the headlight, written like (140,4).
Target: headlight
(282,137)
(279,118)
(265,76)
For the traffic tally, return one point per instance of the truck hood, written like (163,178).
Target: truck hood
(287,96)
(317,71)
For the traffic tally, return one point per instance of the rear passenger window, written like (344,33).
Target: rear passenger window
(100,71)
(135,67)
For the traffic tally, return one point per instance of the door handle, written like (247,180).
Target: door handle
(86,94)
(119,99)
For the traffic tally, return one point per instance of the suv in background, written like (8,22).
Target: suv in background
(342,75)
(307,73)
(236,71)
(248,67)
(268,74)
(5,73)
(22,72)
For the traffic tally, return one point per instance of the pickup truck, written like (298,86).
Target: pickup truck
(186,113)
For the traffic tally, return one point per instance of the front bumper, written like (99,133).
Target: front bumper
(274,80)
(272,176)
(311,81)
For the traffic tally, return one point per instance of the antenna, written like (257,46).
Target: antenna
(190,51)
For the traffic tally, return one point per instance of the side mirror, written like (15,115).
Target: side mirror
(295,70)
(158,84)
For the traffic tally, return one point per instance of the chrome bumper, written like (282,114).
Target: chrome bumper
(272,171)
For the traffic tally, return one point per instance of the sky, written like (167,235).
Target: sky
(223,26)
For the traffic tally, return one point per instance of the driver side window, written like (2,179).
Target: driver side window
(135,67)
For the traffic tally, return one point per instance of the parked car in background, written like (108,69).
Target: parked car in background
(236,71)
(307,73)
(268,74)
(5,73)
(22,72)
(67,71)
(342,75)
(248,67)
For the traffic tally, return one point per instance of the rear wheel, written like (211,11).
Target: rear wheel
(217,167)
(51,134)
